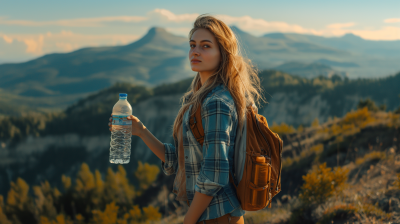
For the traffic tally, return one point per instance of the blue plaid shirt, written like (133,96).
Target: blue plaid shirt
(207,168)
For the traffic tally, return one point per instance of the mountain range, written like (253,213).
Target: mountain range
(54,81)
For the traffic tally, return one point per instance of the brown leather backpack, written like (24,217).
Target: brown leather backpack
(261,173)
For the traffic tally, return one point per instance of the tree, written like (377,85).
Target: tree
(315,122)
(146,174)
(322,183)
(367,103)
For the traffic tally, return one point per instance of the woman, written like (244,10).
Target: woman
(225,85)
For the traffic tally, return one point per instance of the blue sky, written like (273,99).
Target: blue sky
(29,29)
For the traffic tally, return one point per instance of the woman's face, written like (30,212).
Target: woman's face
(205,49)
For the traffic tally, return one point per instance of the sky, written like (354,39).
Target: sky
(30,29)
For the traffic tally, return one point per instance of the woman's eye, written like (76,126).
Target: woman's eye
(203,45)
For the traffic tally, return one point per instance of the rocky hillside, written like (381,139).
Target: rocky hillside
(33,146)
(348,169)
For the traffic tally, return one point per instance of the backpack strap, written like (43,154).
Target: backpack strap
(197,126)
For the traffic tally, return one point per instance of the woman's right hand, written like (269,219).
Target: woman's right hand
(137,125)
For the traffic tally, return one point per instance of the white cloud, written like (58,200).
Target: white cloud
(340,25)
(248,23)
(66,41)
(169,16)
(7,39)
(392,20)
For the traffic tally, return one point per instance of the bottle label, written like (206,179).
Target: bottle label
(121,120)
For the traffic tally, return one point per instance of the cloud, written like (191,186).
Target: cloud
(260,25)
(340,25)
(392,20)
(34,46)
(80,22)
(66,41)
(169,16)
(7,39)
(384,33)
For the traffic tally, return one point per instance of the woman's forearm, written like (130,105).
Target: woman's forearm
(153,143)
(199,204)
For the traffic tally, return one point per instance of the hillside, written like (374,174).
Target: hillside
(358,154)
(363,147)
(291,99)
(32,146)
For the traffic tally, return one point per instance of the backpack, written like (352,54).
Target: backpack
(257,159)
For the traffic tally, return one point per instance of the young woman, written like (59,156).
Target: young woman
(225,84)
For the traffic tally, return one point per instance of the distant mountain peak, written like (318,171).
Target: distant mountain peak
(351,36)
(239,31)
(157,30)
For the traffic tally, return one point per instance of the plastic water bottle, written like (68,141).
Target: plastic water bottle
(120,145)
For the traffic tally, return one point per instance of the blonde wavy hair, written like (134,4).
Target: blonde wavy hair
(236,72)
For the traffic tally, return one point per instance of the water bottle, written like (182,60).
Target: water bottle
(120,144)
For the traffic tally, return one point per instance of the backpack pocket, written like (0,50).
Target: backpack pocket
(260,182)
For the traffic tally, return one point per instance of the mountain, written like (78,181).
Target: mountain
(311,70)
(347,42)
(267,52)
(55,81)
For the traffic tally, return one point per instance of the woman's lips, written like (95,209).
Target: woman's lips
(195,61)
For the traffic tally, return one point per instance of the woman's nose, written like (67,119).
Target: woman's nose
(195,52)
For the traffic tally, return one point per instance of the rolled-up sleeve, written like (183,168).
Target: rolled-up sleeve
(169,167)
(217,124)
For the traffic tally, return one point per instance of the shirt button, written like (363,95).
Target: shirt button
(186,157)
(188,176)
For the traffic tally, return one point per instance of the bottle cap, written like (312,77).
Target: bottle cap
(123,95)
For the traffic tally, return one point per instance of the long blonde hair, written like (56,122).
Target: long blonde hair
(235,72)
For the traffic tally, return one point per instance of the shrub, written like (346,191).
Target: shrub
(368,103)
(89,199)
(315,123)
(283,128)
(374,210)
(322,183)
(146,174)
(351,123)
(375,155)
(397,182)
(337,212)
(307,153)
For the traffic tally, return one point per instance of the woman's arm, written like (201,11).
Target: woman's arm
(153,143)
(199,204)
(165,151)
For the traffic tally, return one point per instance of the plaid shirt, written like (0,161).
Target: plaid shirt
(207,168)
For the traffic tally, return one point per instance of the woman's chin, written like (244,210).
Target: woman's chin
(195,69)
